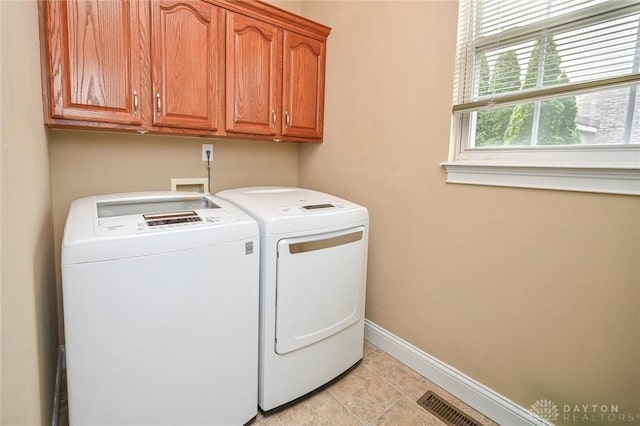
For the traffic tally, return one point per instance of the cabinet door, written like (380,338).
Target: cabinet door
(94,60)
(303,86)
(253,76)
(186,60)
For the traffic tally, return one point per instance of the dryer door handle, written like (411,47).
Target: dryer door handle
(307,246)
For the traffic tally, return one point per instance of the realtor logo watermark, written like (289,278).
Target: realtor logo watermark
(545,410)
(548,412)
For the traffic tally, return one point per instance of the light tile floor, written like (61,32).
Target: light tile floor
(379,391)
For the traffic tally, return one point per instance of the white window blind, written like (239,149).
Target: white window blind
(547,85)
(596,40)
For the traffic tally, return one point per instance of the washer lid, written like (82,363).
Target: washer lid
(139,224)
(287,209)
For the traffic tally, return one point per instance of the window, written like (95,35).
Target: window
(547,95)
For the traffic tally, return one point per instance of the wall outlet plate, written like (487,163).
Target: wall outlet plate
(207,147)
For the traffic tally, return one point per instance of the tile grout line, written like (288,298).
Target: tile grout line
(389,383)
(372,348)
(344,406)
(402,394)
(386,410)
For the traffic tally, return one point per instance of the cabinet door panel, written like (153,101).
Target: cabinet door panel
(95,61)
(253,77)
(186,59)
(303,86)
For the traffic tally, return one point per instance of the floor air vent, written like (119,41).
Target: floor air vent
(444,411)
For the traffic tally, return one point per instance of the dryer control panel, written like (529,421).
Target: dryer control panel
(315,208)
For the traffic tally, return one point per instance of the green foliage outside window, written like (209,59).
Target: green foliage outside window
(513,125)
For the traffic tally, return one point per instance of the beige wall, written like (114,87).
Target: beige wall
(27,280)
(535,294)
(1,143)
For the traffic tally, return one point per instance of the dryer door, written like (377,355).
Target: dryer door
(320,286)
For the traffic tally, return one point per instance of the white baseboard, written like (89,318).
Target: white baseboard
(490,403)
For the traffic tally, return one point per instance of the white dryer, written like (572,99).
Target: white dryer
(313,268)
(160,296)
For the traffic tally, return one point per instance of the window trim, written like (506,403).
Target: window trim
(613,169)
(609,180)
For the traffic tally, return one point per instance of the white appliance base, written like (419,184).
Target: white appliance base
(287,377)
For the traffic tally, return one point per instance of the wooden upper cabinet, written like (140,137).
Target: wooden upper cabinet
(275,87)
(236,68)
(186,57)
(254,49)
(93,60)
(303,86)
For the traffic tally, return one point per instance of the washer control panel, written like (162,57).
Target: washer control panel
(158,214)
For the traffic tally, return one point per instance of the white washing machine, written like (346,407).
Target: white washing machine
(160,296)
(313,268)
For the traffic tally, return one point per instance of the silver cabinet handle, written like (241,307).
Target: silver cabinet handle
(135,102)
(287,119)
(158,104)
(274,118)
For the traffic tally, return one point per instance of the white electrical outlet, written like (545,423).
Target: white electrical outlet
(207,147)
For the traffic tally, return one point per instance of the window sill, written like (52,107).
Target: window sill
(603,179)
